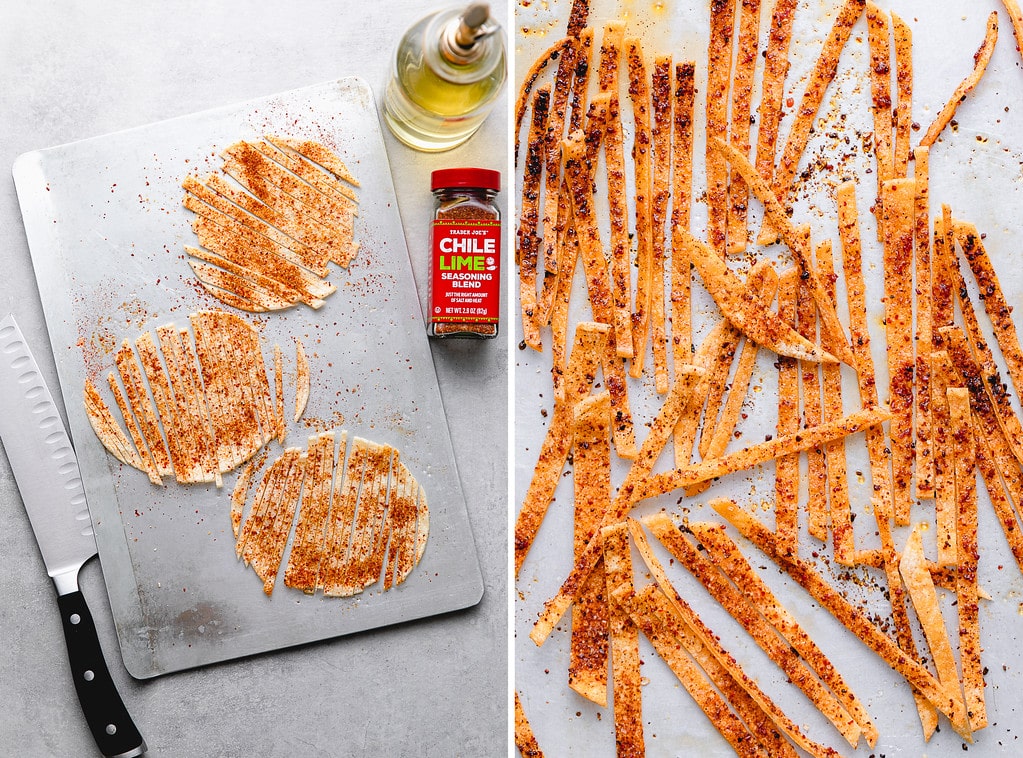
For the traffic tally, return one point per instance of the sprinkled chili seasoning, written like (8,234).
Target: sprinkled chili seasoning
(465,270)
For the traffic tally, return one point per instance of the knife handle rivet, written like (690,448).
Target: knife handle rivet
(111,729)
(75,619)
(88,676)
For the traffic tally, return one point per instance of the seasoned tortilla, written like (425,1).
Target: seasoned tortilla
(358,515)
(268,237)
(193,402)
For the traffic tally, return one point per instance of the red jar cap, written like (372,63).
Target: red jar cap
(475,178)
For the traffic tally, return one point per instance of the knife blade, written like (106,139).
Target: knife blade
(46,470)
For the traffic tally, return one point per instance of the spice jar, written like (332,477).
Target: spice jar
(465,245)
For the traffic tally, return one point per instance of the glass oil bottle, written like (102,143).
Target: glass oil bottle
(448,71)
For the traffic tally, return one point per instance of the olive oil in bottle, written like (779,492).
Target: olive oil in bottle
(448,70)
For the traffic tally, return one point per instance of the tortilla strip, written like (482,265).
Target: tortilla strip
(590,339)
(621,283)
(552,168)
(580,79)
(677,617)
(980,61)
(786,467)
(913,567)
(740,606)
(301,379)
(199,405)
(639,94)
(310,530)
(726,555)
(995,304)
(591,472)
(719,76)
(713,705)
(681,205)
(999,495)
(569,256)
(318,154)
(749,457)
(714,382)
(879,39)
(525,740)
(742,96)
(402,510)
(422,523)
(903,115)
(282,427)
(675,403)
(810,380)
(851,617)
(239,495)
(1016,17)
(776,66)
(660,93)
(134,387)
(964,454)
(897,198)
(942,377)
(746,312)
(715,357)
(942,292)
(625,663)
(834,452)
(799,247)
(799,133)
(109,433)
(528,245)
(539,65)
(924,338)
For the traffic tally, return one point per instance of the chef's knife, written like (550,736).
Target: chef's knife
(46,470)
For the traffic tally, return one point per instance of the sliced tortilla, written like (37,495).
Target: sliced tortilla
(301,379)
(527,240)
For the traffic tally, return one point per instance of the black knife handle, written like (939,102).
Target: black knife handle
(111,725)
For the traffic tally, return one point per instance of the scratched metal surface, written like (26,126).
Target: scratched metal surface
(106,230)
(975,167)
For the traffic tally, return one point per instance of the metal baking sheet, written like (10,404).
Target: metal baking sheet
(107,231)
(974,167)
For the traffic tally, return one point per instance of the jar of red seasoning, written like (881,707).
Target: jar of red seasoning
(465,252)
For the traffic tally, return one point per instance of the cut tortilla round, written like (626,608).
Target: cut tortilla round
(268,233)
(196,403)
(359,517)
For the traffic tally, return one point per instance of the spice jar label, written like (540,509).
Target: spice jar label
(466,276)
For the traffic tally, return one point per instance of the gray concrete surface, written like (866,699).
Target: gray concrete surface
(72,70)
